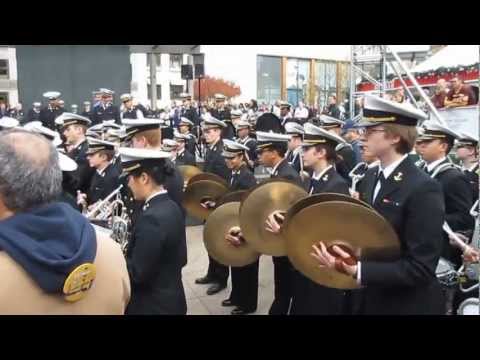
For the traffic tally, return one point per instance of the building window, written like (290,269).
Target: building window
(298,76)
(268,79)
(176,62)
(3,68)
(175,91)
(158,60)
(325,82)
(159,92)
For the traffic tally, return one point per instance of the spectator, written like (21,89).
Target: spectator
(399,96)
(301,112)
(441,90)
(3,109)
(332,108)
(460,95)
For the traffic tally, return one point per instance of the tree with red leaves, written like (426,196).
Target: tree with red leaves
(211,86)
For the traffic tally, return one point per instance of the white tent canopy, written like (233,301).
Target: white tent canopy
(450,56)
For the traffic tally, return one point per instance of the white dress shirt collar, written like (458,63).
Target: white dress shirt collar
(391,168)
(323,172)
(433,165)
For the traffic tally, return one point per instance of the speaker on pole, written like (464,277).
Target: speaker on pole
(187,72)
(199,71)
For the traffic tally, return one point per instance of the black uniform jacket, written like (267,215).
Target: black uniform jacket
(156,255)
(413,204)
(215,162)
(83,175)
(185,158)
(103,185)
(110,112)
(458,195)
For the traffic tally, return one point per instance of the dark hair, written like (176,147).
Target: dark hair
(280,148)
(157,169)
(450,141)
(108,153)
(331,154)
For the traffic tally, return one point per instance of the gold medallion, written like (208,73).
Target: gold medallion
(79,282)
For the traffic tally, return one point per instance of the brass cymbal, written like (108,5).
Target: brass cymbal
(202,190)
(272,195)
(220,221)
(320,198)
(234,196)
(188,171)
(207,176)
(363,231)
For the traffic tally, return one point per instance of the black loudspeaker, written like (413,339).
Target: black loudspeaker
(187,72)
(199,71)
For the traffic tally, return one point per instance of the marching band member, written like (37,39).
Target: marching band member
(184,157)
(467,151)
(236,116)
(105,180)
(49,113)
(285,114)
(319,155)
(271,149)
(222,112)
(147,134)
(346,155)
(129,111)
(217,274)
(244,294)
(412,203)
(243,137)
(434,145)
(51,255)
(105,110)
(188,111)
(294,153)
(184,128)
(73,128)
(157,251)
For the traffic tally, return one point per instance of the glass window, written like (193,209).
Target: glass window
(175,91)
(325,82)
(3,68)
(298,75)
(176,61)
(159,92)
(268,79)
(158,61)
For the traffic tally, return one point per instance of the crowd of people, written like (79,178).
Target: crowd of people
(60,165)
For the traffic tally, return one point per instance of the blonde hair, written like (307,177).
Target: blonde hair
(153,137)
(407,134)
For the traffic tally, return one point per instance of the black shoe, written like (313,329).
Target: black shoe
(215,288)
(227,302)
(204,280)
(240,311)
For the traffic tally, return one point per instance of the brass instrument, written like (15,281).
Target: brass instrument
(113,211)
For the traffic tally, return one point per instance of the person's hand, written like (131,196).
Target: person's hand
(355,194)
(274,222)
(342,263)
(234,236)
(208,204)
(456,244)
(471,255)
(81,198)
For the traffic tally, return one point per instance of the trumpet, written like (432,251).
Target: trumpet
(113,210)
(103,210)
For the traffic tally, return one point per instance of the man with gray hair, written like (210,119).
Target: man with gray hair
(50,255)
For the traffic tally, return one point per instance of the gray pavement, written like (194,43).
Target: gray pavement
(198,302)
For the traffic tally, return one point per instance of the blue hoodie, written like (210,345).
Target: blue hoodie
(49,242)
